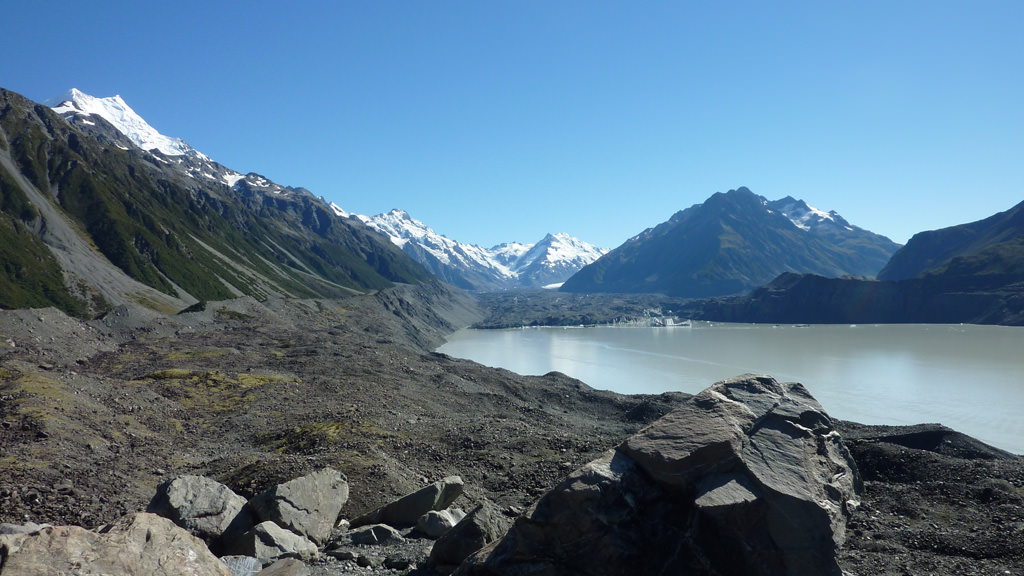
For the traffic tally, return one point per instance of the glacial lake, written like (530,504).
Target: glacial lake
(970,378)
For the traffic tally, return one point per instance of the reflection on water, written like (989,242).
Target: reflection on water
(970,378)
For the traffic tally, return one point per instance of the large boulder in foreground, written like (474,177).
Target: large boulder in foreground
(141,543)
(308,505)
(204,507)
(747,477)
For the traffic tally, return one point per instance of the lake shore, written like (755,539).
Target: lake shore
(253,394)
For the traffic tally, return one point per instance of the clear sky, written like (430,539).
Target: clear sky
(495,121)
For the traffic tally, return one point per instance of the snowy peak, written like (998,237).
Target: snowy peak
(115,111)
(554,259)
(562,247)
(509,253)
(439,254)
(508,265)
(804,216)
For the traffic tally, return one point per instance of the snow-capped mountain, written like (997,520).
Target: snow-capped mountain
(112,120)
(732,243)
(122,117)
(554,259)
(807,217)
(509,265)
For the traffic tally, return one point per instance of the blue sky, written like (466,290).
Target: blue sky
(497,121)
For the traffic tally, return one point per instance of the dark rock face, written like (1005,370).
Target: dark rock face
(407,510)
(810,299)
(485,524)
(748,477)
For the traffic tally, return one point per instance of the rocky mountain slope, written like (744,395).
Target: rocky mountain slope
(90,220)
(732,243)
(972,273)
(992,246)
(812,299)
(511,265)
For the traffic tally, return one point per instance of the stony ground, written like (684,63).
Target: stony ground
(93,416)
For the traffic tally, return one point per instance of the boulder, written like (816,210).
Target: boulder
(375,534)
(308,505)
(286,567)
(242,565)
(480,527)
(204,507)
(405,511)
(436,523)
(268,541)
(140,543)
(748,477)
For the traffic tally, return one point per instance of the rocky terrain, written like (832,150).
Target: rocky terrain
(95,415)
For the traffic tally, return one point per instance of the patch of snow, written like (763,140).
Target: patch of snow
(803,215)
(232,178)
(338,211)
(122,117)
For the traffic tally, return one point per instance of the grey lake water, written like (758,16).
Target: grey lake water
(970,378)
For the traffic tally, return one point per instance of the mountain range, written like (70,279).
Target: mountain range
(99,209)
(91,220)
(732,243)
(512,265)
(505,266)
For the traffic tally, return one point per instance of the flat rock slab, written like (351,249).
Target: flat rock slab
(141,543)
(747,477)
(268,541)
(286,567)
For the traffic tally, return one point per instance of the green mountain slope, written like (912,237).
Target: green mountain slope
(179,237)
(991,246)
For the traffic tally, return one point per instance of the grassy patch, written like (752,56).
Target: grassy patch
(179,355)
(209,390)
(225,314)
(317,435)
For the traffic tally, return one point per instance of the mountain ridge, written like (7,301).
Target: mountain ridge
(505,266)
(933,250)
(126,226)
(734,242)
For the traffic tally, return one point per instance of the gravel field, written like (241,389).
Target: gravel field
(95,415)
